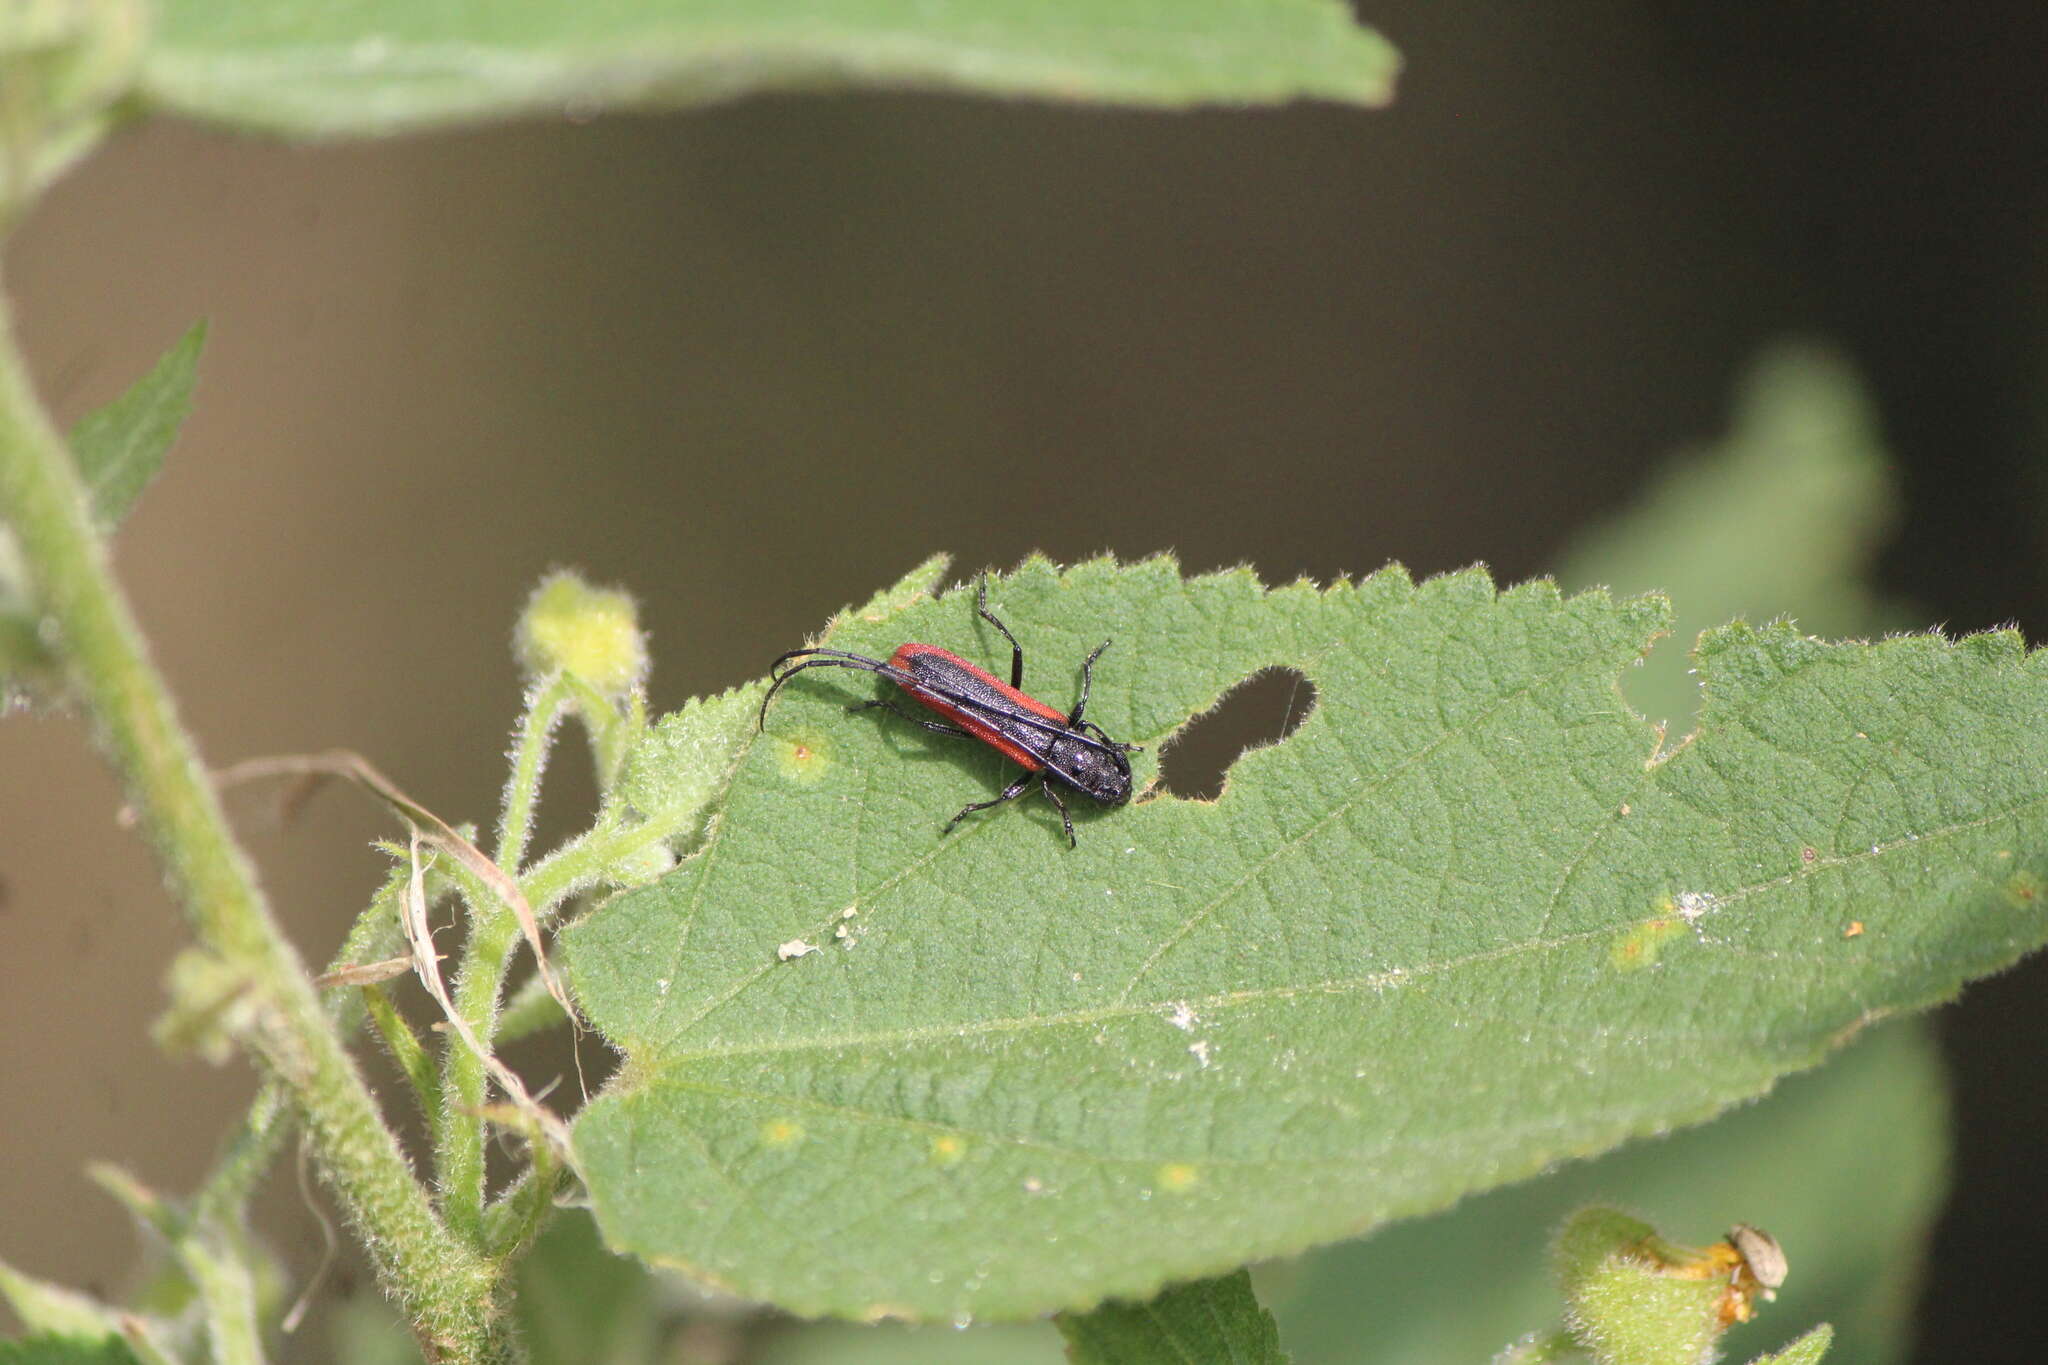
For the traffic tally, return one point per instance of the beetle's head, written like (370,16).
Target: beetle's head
(1094,765)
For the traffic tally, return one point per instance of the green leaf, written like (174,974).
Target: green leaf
(1808,1350)
(1853,1216)
(1206,1322)
(1464,923)
(120,447)
(383,66)
(51,1349)
(900,1343)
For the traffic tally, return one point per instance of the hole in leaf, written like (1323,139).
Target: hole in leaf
(1263,709)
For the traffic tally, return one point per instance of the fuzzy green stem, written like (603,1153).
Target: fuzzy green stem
(450,1292)
(459,1126)
(254,1143)
(494,937)
(522,789)
(612,731)
(404,1046)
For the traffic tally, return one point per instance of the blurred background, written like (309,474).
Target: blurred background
(754,363)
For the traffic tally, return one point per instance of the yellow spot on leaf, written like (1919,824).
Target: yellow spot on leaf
(1638,947)
(782,1132)
(1176,1176)
(947,1149)
(803,755)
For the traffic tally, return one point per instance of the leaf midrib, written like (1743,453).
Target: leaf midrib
(1374,981)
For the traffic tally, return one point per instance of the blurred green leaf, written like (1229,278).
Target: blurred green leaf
(364,1329)
(580,1304)
(50,1349)
(1461,925)
(1204,1322)
(47,1307)
(897,1343)
(1780,517)
(120,447)
(382,66)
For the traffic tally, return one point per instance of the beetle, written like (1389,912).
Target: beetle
(1055,749)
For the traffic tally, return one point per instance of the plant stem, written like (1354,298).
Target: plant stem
(487,951)
(522,789)
(450,1292)
(459,1129)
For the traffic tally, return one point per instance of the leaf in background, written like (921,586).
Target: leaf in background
(385,66)
(46,1307)
(581,1305)
(49,1349)
(1461,925)
(898,1343)
(1782,515)
(120,447)
(1205,1322)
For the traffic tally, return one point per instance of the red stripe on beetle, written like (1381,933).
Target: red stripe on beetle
(1058,750)
(926,660)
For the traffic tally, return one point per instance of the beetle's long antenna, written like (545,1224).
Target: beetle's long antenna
(834,658)
(824,658)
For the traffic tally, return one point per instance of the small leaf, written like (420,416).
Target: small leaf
(52,1349)
(1807,1350)
(1206,1322)
(120,447)
(1466,922)
(382,66)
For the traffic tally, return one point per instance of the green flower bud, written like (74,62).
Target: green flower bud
(571,627)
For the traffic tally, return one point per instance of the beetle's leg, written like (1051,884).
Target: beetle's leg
(937,727)
(1091,728)
(1016,650)
(1009,793)
(1045,785)
(1087,680)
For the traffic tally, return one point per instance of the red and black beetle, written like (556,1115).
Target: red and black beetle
(1055,748)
